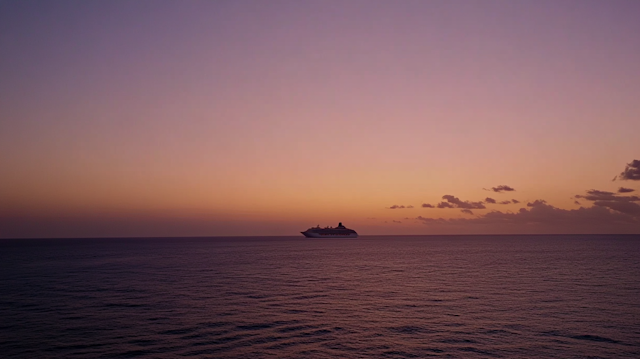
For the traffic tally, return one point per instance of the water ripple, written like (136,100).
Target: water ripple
(406,297)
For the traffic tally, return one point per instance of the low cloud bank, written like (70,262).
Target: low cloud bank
(544,214)
(536,203)
(615,212)
(596,195)
(616,202)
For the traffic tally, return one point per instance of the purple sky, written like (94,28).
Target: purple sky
(151,118)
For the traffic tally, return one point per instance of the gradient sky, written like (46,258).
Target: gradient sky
(212,118)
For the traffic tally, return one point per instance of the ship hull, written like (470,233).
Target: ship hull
(329,235)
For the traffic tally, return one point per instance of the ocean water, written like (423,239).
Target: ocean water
(291,297)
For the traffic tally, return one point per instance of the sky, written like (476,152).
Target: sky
(243,118)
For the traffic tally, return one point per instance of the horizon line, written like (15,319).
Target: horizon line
(359,236)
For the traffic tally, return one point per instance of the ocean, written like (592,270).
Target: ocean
(572,296)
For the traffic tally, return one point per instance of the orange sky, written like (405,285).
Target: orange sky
(208,119)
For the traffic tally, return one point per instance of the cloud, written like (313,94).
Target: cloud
(631,171)
(625,190)
(576,202)
(543,217)
(504,202)
(622,204)
(427,205)
(467,211)
(395,206)
(490,200)
(394,221)
(445,205)
(596,195)
(624,207)
(515,201)
(536,203)
(455,202)
(501,188)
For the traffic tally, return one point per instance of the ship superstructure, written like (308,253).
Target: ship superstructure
(330,232)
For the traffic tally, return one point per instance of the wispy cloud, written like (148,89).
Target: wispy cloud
(625,190)
(395,206)
(596,195)
(427,205)
(490,200)
(467,211)
(515,201)
(501,188)
(504,202)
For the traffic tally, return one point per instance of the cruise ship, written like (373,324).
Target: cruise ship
(330,232)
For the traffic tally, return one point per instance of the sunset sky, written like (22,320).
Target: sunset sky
(217,118)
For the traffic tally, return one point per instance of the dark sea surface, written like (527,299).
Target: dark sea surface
(291,297)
